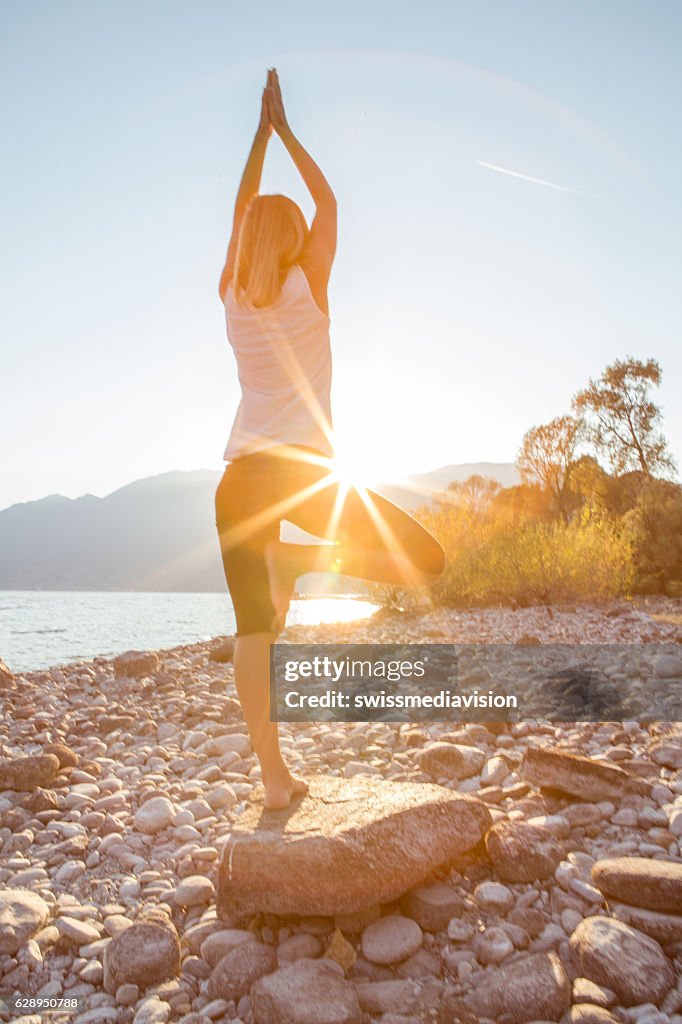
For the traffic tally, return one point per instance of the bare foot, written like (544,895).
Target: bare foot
(282,575)
(279,792)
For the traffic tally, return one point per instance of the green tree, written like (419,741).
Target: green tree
(623,421)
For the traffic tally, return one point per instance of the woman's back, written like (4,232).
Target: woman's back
(284,364)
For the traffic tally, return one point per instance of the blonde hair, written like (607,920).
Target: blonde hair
(271,240)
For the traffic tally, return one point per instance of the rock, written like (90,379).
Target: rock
(493,897)
(67,757)
(219,745)
(22,914)
(152,1011)
(194,891)
(665,928)
(134,664)
(493,945)
(494,771)
(586,991)
(340,951)
(307,992)
(451,760)
(641,881)
(579,776)
(522,853)
(391,939)
(347,845)
(627,961)
(667,752)
(223,651)
(6,676)
(532,988)
(590,1013)
(24,774)
(80,933)
(219,944)
(154,815)
(235,973)
(40,800)
(297,946)
(432,906)
(668,666)
(396,995)
(145,954)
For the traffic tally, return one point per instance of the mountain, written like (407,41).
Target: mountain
(156,534)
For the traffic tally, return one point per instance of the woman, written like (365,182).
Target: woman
(280,465)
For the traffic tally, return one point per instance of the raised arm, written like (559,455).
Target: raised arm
(248,186)
(322,243)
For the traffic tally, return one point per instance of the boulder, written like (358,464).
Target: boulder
(432,906)
(641,881)
(235,973)
(625,960)
(579,776)
(24,774)
(451,760)
(154,815)
(522,853)
(346,845)
(145,954)
(67,757)
(533,988)
(134,664)
(665,928)
(22,914)
(307,992)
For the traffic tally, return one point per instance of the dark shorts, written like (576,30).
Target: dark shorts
(295,484)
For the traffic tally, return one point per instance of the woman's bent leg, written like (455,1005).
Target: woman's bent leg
(252,679)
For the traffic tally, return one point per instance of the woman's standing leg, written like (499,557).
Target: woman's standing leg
(252,679)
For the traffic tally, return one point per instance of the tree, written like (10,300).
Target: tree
(622,419)
(547,456)
(475,493)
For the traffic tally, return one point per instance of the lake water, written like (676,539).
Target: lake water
(43,628)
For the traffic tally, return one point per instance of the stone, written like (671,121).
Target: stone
(391,939)
(579,776)
(22,914)
(641,881)
(145,954)
(236,743)
(134,664)
(494,772)
(586,991)
(665,928)
(395,995)
(307,992)
(152,1011)
(299,945)
(346,845)
(154,815)
(432,906)
(532,988)
(493,946)
(341,951)
(40,800)
(590,1013)
(667,752)
(24,774)
(220,943)
(493,897)
(625,960)
(668,666)
(223,651)
(522,853)
(67,757)
(6,676)
(80,933)
(194,891)
(451,760)
(235,973)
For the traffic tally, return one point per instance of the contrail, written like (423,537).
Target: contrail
(536,181)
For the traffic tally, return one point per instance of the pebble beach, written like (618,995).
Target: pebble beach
(498,873)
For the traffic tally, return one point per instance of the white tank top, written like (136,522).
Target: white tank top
(284,365)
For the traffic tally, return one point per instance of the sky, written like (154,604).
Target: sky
(468,304)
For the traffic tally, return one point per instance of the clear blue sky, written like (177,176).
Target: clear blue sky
(467,304)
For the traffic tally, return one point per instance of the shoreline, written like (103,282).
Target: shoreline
(124,794)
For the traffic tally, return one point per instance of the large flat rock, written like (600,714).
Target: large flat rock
(348,844)
(579,776)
